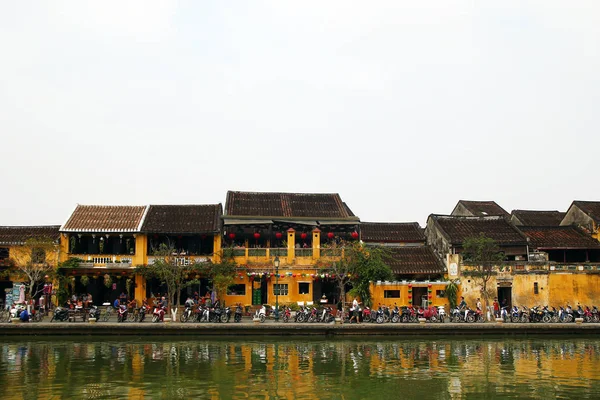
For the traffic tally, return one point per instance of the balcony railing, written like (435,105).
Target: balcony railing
(257,252)
(303,252)
(101,260)
(183,261)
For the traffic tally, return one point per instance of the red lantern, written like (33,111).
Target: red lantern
(330,235)
(303,235)
(410,296)
(354,235)
(429,285)
(256,235)
(278,235)
(410,285)
(232,236)
(293,275)
(430,297)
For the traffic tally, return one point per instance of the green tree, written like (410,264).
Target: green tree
(359,265)
(482,254)
(33,261)
(166,269)
(221,275)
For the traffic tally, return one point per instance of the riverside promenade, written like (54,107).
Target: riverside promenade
(269,328)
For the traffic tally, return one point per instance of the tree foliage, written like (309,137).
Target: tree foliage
(33,262)
(482,254)
(359,265)
(166,269)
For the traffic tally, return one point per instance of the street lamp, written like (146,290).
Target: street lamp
(276,265)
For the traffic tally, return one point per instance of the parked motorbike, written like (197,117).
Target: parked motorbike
(122,313)
(94,312)
(395,314)
(186,314)
(366,314)
(237,317)
(441,314)
(287,314)
(142,313)
(261,314)
(60,314)
(158,314)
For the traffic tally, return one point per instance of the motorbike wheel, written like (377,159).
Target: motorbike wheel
(286,318)
(546,318)
(224,318)
(404,319)
(396,319)
(379,319)
(155,318)
(367,318)
(514,319)
(300,318)
(237,318)
(262,318)
(105,317)
(183,317)
(470,318)
(524,318)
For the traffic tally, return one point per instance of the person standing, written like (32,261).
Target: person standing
(496,306)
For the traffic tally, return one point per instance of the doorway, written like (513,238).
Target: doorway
(419,298)
(505,294)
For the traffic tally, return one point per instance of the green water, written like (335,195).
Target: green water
(299,368)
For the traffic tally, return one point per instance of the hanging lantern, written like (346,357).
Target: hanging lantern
(429,285)
(303,236)
(330,235)
(256,235)
(232,236)
(410,296)
(410,285)
(354,235)
(293,275)
(430,297)
(278,235)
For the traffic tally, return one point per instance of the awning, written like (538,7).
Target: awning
(296,222)
(236,221)
(339,222)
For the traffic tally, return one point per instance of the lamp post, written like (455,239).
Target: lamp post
(276,265)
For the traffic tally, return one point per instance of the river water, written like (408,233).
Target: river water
(299,368)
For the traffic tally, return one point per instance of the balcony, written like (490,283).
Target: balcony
(183,261)
(103,261)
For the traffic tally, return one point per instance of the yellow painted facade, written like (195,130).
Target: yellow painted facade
(410,293)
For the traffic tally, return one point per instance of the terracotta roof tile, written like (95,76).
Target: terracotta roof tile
(559,237)
(17,235)
(538,218)
(183,218)
(457,229)
(414,260)
(87,218)
(310,205)
(382,232)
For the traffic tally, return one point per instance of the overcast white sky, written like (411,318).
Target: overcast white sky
(402,107)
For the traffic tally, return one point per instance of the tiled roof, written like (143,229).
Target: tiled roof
(16,235)
(414,260)
(457,229)
(105,219)
(483,208)
(538,218)
(559,237)
(391,232)
(308,205)
(183,219)
(591,208)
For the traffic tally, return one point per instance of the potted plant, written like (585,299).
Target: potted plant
(107,280)
(85,280)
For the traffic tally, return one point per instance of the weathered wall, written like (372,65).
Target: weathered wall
(406,297)
(436,240)
(461,211)
(577,217)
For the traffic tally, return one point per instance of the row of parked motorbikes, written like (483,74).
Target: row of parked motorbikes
(550,314)
(395,314)
(123,314)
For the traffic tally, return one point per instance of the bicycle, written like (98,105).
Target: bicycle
(106,316)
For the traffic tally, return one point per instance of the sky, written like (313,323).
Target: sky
(401,107)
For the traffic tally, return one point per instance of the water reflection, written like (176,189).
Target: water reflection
(300,368)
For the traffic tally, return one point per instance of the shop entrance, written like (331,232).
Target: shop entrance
(505,296)
(419,298)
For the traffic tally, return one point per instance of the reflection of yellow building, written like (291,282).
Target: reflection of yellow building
(303,368)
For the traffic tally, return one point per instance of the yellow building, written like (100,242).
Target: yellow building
(18,247)
(297,229)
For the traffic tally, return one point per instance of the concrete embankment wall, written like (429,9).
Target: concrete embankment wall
(44,329)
